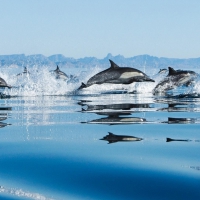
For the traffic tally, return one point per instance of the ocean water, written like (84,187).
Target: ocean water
(105,142)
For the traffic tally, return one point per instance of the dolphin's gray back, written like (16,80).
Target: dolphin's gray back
(115,75)
(104,77)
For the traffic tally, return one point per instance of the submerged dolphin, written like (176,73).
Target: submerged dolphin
(174,79)
(59,74)
(177,140)
(117,75)
(111,138)
(3,83)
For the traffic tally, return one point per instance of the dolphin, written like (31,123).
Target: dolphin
(25,72)
(162,71)
(59,74)
(117,75)
(177,140)
(175,78)
(111,138)
(3,83)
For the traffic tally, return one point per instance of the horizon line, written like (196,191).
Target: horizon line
(108,55)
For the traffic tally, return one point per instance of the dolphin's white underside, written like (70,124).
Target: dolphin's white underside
(126,75)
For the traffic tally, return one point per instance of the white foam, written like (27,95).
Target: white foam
(41,82)
(196,87)
(22,193)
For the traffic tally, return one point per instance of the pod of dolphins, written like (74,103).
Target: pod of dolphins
(127,75)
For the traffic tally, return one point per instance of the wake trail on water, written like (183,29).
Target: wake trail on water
(41,82)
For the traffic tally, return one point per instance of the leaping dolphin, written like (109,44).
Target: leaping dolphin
(162,71)
(3,83)
(25,72)
(174,79)
(59,74)
(117,75)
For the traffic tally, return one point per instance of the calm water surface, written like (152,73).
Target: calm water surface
(51,147)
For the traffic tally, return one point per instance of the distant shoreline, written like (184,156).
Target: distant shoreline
(135,61)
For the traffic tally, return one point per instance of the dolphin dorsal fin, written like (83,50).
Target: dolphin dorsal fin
(113,65)
(57,69)
(110,133)
(171,71)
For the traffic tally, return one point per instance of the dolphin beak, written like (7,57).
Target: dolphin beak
(148,79)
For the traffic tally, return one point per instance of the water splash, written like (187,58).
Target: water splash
(196,88)
(40,82)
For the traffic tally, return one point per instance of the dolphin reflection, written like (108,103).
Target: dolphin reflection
(123,107)
(178,107)
(2,124)
(172,120)
(115,119)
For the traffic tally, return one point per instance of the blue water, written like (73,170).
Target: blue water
(51,147)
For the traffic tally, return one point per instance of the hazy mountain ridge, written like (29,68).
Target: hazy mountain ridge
(139,61)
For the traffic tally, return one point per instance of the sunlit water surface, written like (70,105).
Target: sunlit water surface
(53,146)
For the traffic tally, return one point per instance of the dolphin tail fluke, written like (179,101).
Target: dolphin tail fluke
(83,85)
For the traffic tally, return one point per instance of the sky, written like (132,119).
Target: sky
(89,28)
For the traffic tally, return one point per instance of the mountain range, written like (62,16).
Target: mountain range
(139,61)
